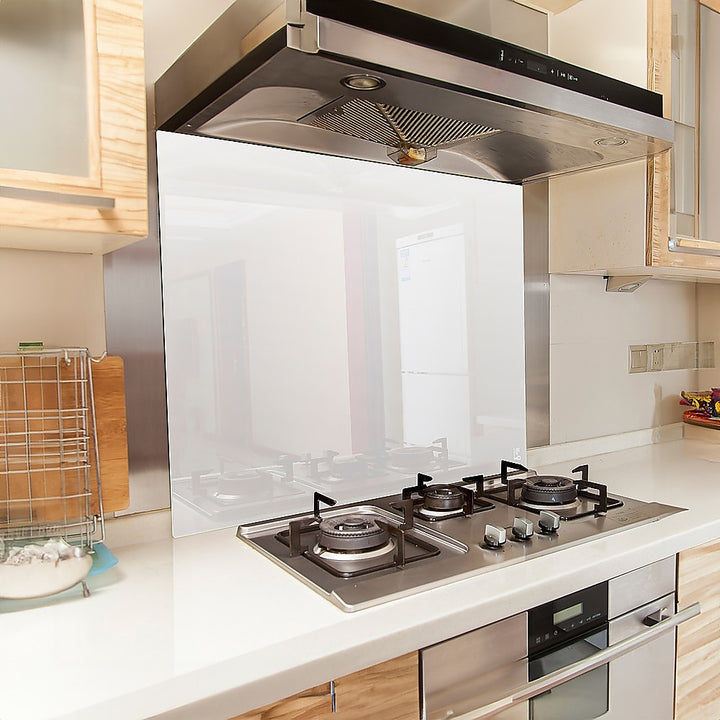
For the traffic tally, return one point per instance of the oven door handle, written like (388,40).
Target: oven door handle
(602,657)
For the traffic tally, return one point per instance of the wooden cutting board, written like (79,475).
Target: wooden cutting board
(108,377)
(29,427)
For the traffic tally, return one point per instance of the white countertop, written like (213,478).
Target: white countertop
(204,626)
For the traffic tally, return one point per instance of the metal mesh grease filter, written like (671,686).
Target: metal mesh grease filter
(394,126)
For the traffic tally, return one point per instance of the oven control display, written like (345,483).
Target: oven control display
(562,616)
(567,617)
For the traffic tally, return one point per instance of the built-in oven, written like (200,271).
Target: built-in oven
(563,632)
(607,651)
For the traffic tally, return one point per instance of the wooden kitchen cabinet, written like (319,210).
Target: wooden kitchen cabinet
(312,704)
(682,68)
(619,220)
(73,181)
(697,692)
(389,691)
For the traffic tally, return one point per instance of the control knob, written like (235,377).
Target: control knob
(549,522)
(494,536)
(522,529)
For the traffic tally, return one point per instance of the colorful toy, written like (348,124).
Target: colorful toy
(706,402)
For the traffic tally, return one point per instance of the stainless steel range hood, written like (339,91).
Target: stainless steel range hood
(368,80)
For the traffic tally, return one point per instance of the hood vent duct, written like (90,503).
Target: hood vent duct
(364,79)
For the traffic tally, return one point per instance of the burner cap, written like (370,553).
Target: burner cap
(443,497)
(352,533)
(549,490)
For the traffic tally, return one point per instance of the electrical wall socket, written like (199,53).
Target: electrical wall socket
(671,356)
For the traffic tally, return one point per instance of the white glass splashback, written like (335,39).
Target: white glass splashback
(332,325)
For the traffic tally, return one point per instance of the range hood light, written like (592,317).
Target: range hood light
(363,82)
(410,156)
(613,141)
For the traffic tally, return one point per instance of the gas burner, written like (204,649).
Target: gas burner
(444,501)
(568,507)
(356,540)
(440,502)
(570,498)
(353,533)
(549,490)
(443,497)
(349,562)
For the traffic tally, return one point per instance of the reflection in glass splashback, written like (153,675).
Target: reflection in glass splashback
(332,325)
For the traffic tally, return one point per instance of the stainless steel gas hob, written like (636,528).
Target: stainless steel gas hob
(431,534)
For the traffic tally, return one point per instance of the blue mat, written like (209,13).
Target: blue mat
(103,560)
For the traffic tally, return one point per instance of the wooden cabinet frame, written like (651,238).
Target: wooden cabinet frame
(107,208)
(659,170)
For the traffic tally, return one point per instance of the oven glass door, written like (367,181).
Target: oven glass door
(582,698)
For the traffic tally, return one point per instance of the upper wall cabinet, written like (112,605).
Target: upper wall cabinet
(655,217)
(685,230)
(73,156)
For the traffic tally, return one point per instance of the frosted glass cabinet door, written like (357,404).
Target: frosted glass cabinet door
(49,126)
(684,100)
(709,145)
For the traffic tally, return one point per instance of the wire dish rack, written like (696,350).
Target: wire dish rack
(50,491)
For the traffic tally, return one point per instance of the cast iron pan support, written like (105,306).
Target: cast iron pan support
(422,482)
(398,532)
(479,492)
(512,485)
(296,527)
(601,507)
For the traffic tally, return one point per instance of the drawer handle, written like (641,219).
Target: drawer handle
(656,617)
(602,657)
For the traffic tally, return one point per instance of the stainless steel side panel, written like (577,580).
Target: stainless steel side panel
(636,588)
(475,669)
(134,330)
(537,313)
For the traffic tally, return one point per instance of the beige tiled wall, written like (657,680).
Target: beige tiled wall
(708,325)
(53,297)
(592,394)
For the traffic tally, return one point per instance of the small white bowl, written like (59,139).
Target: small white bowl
(38,579)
